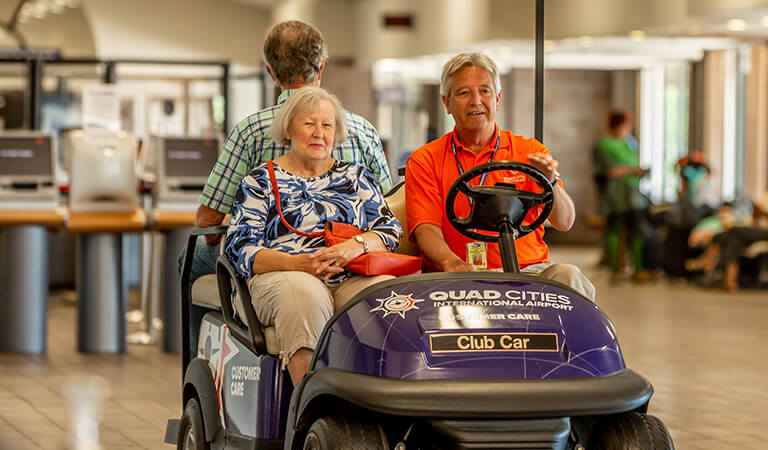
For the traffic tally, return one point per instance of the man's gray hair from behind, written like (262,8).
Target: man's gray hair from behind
(294,52)
(307,97)
(463,60)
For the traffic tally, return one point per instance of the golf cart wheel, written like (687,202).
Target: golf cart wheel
(345,433)
(632,431)
(191,434)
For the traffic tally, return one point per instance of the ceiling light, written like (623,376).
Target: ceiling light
(637,35)
(569,42)
(764,21)
(585,41)
(549,45)
(737,25)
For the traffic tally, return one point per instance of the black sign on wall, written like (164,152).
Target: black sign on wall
(402,21)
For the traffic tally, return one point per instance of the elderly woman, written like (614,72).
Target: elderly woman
(296,282)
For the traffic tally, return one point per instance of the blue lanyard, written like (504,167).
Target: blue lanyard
(458,164)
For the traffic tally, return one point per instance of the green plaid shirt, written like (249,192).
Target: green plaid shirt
(249,145)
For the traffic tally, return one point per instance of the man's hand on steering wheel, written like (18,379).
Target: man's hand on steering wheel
(545,163)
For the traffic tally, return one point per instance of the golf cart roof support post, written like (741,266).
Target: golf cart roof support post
(507,235)
(538,110)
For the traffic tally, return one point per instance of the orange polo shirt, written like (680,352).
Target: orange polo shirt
(432,169)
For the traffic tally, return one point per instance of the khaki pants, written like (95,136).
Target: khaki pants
(298,305)
(567,274)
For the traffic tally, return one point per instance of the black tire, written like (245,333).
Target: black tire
(191,434)
(631,431)
(345,433)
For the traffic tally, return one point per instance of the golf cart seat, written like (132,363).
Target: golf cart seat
(205,290)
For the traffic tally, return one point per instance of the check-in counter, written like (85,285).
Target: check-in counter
(101,300)
(28,209)
(24,278)
(178,168)
(174,227)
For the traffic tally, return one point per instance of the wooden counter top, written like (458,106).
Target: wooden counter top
(53,218)
(169,220)
(106,222)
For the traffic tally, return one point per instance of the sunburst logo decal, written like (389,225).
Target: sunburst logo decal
(396,304)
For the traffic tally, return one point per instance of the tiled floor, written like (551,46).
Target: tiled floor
(143,384)
(704,351)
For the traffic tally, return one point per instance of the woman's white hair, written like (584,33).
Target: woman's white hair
(463,60)
(307,97)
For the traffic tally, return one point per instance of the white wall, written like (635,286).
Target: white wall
(177,29)
(709,7)
(439,26)
(568,18)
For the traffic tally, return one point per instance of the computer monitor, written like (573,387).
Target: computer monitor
(26,160)
(190,158)
(27,171)
(102,171)
(180,167)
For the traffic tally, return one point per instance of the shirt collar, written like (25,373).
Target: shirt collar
(284,96)
(488,148)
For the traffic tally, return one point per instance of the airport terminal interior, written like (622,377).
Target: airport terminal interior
(114,114)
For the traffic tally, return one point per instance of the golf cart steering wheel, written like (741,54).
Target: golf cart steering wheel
(499,207)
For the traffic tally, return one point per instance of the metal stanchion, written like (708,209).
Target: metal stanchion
(140,319)
(175,240)
(101,304)
(156,286)
(24,277)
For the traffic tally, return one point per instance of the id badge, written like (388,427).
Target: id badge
(477,255)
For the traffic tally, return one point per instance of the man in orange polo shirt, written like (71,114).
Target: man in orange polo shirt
(471,90)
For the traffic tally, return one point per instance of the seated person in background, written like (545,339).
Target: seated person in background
(695,183)
(471,90)
(295,54)
(725,235)
(696,198)
(622,203)
(295,281)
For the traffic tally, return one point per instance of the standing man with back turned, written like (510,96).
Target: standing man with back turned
(471,90)
(295,54)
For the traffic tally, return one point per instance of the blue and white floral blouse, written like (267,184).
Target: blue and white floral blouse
(347,193)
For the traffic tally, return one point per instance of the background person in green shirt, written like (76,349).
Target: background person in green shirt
(619,199)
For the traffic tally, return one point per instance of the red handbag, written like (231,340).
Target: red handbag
(385,263)
(372,263)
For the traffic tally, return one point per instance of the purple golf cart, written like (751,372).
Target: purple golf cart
(430,361)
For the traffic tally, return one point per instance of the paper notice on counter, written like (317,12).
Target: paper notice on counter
(101,107)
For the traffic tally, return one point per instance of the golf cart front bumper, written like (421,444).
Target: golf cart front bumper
(477,413)
(480,398)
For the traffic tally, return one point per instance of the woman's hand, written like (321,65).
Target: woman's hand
(336,257)
(320,265)
(329,261)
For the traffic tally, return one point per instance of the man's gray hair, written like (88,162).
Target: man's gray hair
(463,60)
(294,52)
(307,97)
